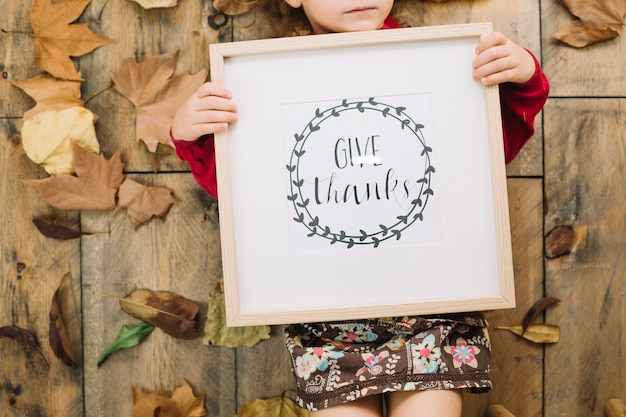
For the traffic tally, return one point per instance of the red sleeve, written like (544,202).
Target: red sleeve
(200,155)
(520,104)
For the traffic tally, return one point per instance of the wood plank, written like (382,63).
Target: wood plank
(180,254)
(517,365)
(32,269)
(593,71)
(585,159)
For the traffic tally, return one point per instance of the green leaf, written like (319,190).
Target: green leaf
(127,337)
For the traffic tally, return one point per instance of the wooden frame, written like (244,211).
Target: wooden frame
(325,213)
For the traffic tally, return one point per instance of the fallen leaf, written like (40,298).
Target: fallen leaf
(94,187)
(232,7)
(218,334)
(599,20)
(57,39)
(50,93)
(126,338)
(143,202)
(22,336)
(537,309)
(537,333)
(151,4)
(47,137)
(156,94)
(182,403)
(172,313)
(272,407)
(59,333)
(57,231)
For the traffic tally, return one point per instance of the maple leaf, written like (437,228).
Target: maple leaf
(57,39)
(182,403)
(50,93)
(94,187)
(143,202)
(47,137)
(156,94)
(272,407)
(599,20)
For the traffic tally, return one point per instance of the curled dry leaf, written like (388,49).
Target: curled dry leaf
(538,308)
(272,407)
(143,202)
(59,331)
(599,20)
(182,403)
(151,4)
(47,137)
(217,333)
(22,336)
(172,313)
(536,332)
(57,231)
(233,7)
(57,39)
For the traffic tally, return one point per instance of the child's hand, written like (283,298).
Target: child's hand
(208,110)
(499,60)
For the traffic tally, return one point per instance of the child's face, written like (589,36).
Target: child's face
(329,16)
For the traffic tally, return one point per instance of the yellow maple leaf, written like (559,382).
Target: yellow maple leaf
(57,39)
(156,93)
(47,137)
(182,403)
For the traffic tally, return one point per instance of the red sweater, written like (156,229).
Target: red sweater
(520,103)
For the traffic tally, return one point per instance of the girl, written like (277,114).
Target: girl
(418,365)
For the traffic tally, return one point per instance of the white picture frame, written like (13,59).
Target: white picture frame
(324,212)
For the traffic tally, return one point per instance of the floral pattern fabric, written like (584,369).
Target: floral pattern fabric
(338,362)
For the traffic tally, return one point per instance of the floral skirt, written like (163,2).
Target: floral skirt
(338,362)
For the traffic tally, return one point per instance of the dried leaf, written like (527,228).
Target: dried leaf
(143,202)
(59,332)
(599,20)
(217,333)
(233,7)
(57,231)
(172,313)
(156,94)
(537,333)
(151,4)
(19,335)
(272,407)
(47,137)
(126,338)
(537,309)
(182,403)
(50,93)
(57,39)
(94,188)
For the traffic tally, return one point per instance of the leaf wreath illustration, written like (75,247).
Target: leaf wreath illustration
(302,204)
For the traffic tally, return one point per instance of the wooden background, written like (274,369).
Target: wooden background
(571,174)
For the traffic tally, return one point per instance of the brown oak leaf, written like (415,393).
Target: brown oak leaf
(156,94)
(599,20)
(143,202)
(182,403)
(94,187)
(57,38)
(50,93)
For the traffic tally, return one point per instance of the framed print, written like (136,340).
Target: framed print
(364,178)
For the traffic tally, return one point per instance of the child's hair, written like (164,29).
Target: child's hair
(291,21)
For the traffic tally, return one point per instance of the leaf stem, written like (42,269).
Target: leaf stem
(102,90)
(18,32)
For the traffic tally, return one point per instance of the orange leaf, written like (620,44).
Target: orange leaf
(57,39)
(144,202)
(182,403)
(156,94)
(94,187)
(50,93)
(599,20)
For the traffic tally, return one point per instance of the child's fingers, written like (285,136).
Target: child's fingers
(491,40)
(213,89)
